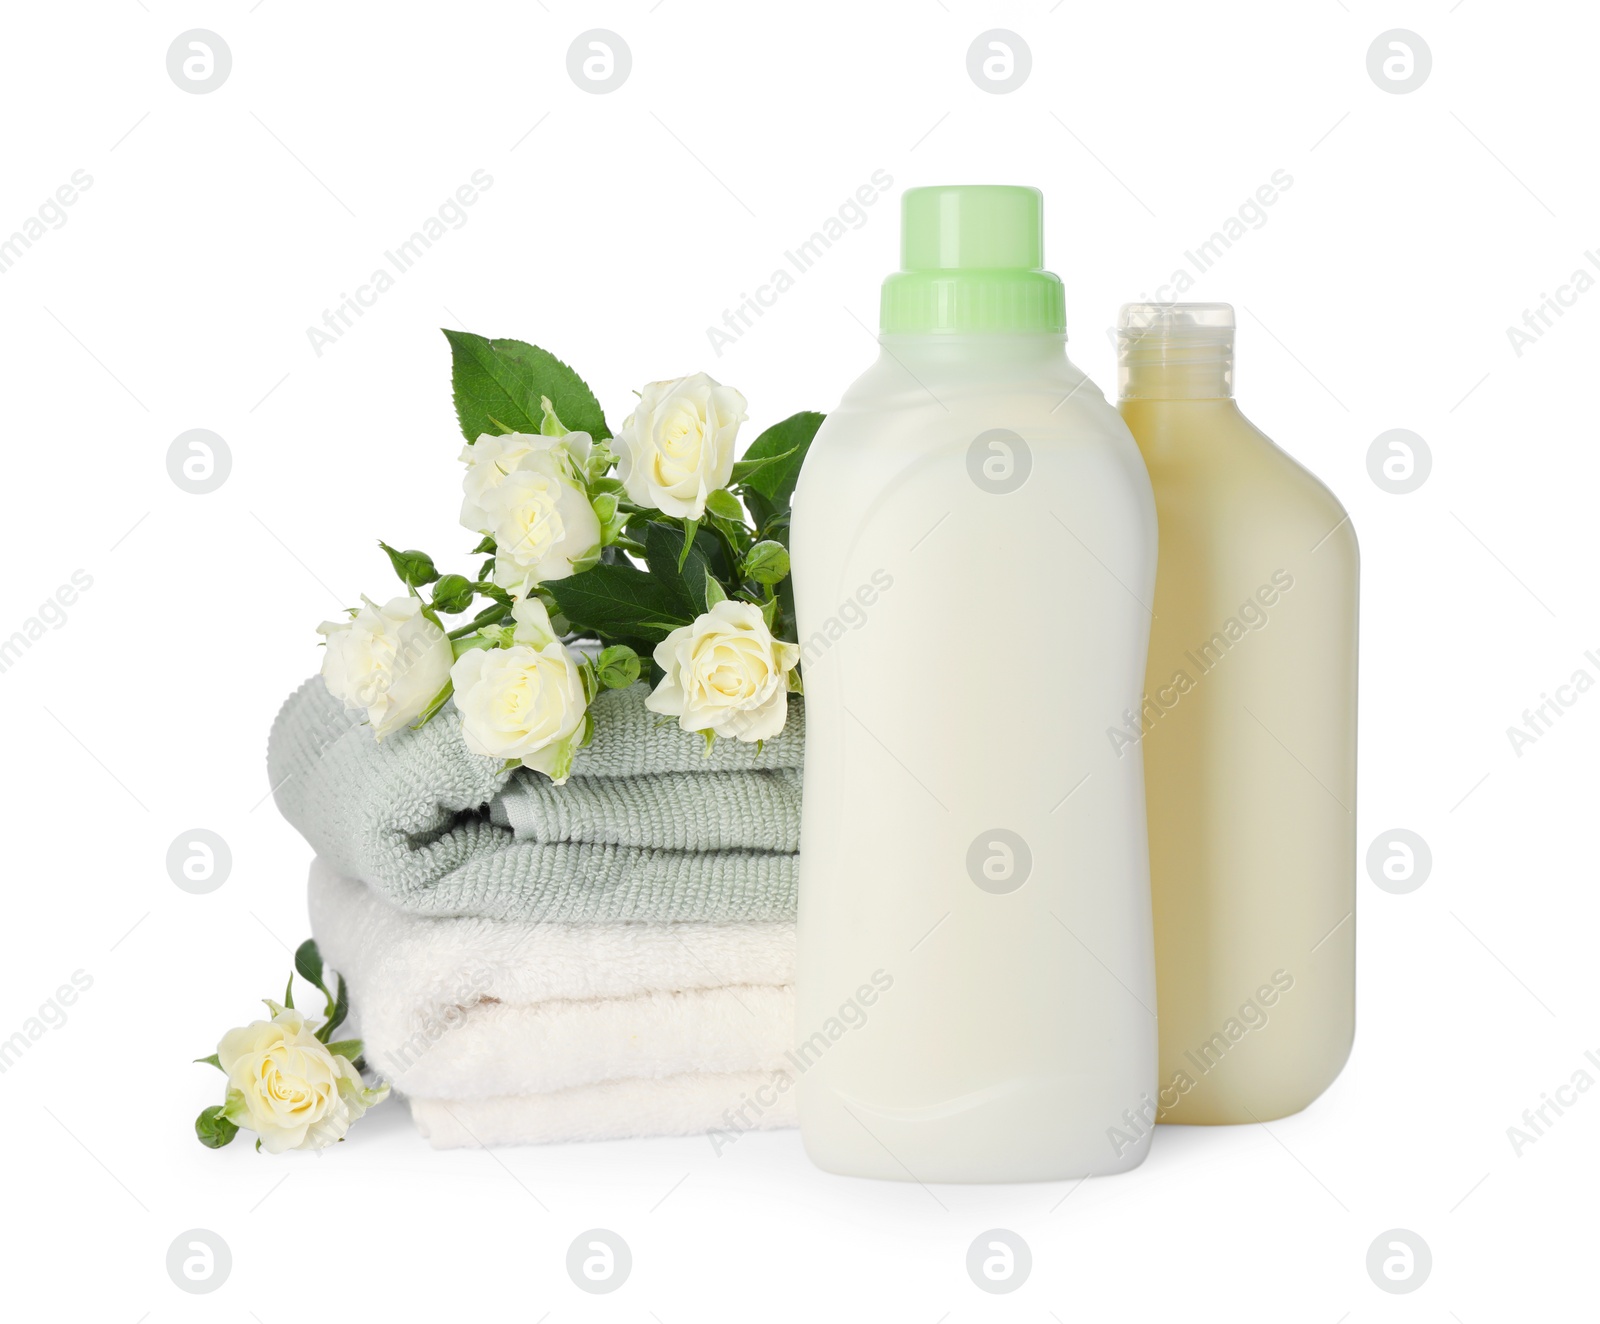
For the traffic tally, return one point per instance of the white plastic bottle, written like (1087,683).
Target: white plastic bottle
(974,549)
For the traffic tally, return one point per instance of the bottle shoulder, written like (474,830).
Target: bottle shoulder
(1294,475)
(1211,468)
(901,394)
(966,447)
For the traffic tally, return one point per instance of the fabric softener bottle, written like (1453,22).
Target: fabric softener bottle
(974,550)
(1248,727)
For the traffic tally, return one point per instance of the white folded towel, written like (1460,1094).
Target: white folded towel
(516,1032)
(723,1106)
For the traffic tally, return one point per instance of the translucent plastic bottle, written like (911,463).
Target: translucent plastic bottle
(974,557)
(1248,727)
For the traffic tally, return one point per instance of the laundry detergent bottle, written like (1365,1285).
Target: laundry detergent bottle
(1248,728)
(974,559)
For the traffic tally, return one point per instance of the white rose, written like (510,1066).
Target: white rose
(542,523)
(390,660)
(726,674)
(490,458)
(525,702)
(285,1085)
(677,446)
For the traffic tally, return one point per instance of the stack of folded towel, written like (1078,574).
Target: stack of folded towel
(531,963)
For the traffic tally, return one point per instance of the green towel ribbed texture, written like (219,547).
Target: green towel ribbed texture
(648,827)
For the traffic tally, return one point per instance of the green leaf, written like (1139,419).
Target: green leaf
(500,386)
(622,604)
(487,545)
(723,502)
(767,489)
(308,961)
(689,527)
(561,765)
(350,1048)
(213,1060)
(550,424)
(734,539)
(288,995)
(213,1129)
(414,568)
(746,469)
(714,592)
(436,703)
(775,524)
(680,564)
(341,1009)
(784,626)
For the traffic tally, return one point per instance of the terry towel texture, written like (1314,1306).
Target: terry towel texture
(647,829)
(506,1032)
(674,1105)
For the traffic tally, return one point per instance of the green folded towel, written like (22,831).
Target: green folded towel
(648,827)
(687,811)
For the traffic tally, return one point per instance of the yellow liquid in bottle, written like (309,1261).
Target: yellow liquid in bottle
(1249,738)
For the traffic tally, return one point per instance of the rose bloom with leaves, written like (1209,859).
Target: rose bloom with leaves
(289,1087)
(525,703)
(491,458)
(527,493)
(676,448)
(726,674)
(392,661)
(287,1080)
(544,527)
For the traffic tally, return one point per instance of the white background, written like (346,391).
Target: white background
(218,228)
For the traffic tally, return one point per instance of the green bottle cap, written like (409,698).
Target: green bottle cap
(972,258)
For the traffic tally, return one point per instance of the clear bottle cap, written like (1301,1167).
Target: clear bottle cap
(1175,350)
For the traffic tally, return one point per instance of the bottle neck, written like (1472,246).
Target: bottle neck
(1159,365)
(1017,349)
(951,362)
